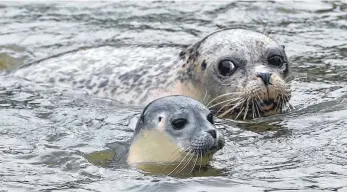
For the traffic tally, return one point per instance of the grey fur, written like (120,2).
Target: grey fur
(245,47)
(195,134)
(108,71)
(129,74)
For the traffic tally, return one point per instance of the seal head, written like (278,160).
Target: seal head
(239,72)
(174,131)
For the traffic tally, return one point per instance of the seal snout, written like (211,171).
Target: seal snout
(213,133)
(265,77)
(208,141)
(219,140)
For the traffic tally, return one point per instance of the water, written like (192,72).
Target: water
(46,132)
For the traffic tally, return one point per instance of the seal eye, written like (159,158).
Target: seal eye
(203,65)
(275,60)
(226,68)
(210,118)
(179,123)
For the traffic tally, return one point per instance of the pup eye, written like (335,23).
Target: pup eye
(226,68)
(210,118)
(275,60)
(179,124)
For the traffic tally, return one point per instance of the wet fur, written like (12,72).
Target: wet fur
(125,78)
(250,50)
(155,142)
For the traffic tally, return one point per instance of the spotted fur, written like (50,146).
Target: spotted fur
(138,75)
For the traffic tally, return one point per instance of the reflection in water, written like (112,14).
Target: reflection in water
(52,139)
(186,172)
(116,158)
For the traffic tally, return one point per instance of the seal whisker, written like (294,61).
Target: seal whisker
(223,95)
(228,100)
(288,103)
(187,153)
(180,153)
(223,107)
(283,103)
(180,163)
(187,163)
(259,100)
(253,109)
(196,159)
(200,161)
(179,150)
(246,111)
(229,110)
(241,102)
(240,112)
(257,105)
(233,108)
(279,102)
(185,149)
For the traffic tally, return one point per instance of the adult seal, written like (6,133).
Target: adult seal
(177,132)
(236,72)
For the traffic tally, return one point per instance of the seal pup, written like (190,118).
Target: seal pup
(235,72)
(177,132)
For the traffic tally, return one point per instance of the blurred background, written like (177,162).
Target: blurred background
(45,132)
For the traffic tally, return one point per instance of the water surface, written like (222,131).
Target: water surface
(46,131)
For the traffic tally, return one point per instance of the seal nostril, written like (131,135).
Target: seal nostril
(265,77)
(213,133)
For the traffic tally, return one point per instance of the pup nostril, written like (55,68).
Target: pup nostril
(265,77)
(213,133)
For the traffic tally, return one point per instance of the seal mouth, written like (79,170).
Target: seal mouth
(262,107)
(252,108)
(251,103)
(268,105)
